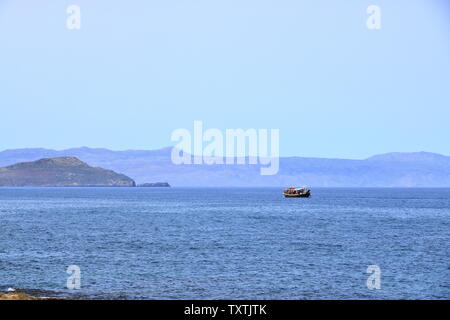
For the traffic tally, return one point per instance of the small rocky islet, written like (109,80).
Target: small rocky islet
(155,185)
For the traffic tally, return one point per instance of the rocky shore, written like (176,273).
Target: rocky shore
(19,296)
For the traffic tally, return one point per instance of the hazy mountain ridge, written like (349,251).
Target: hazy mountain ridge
(419,169)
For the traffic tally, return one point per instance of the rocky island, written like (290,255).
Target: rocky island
(154,185)
(61,172)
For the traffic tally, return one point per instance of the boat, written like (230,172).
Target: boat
(293,192)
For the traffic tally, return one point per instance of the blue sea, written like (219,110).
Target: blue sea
(225,243)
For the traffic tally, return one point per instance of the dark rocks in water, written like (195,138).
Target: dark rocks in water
(61,172)
(155,184)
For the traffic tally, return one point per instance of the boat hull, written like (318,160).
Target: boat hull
(306,195)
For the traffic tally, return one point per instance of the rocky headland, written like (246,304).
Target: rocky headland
(61,172)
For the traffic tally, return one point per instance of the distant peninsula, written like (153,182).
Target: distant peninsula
(61,172)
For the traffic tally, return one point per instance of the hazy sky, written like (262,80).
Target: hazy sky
(137,70)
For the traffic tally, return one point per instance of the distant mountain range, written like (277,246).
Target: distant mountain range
(421,169)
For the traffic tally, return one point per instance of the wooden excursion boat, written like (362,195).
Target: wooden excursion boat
(293,192)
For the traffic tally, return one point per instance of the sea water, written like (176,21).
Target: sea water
(226,243)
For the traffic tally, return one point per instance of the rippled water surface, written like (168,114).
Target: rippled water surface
(182,243)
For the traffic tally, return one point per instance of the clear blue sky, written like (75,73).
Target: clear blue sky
(137,70)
